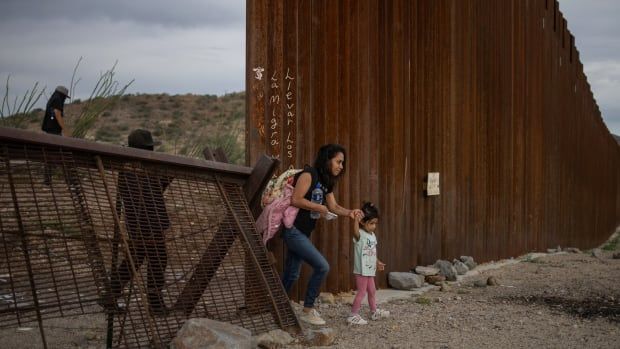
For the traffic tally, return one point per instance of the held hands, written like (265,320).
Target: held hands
(380,265)
(356,214)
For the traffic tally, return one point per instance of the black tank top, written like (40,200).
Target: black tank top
(304,222)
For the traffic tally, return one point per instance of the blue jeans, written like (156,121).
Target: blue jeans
(300,248)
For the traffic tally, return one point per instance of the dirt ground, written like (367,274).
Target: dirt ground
(555,301)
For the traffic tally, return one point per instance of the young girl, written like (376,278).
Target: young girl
(366,264)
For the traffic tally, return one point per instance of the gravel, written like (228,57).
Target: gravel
(555,301)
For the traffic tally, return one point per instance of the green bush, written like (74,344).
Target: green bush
(106,134)
(612,245)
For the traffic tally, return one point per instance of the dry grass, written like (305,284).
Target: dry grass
(182,122)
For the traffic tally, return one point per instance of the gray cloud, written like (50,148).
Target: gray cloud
(200,59)
(595,26)
(182,13)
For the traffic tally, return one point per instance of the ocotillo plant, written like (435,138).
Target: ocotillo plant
(103,96)
(15,114)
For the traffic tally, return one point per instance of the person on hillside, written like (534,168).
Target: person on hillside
(365,265)
(313,195)
(54,121)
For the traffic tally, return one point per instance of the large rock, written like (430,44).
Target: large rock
(274,339)
(426,271)
(492,281)
(460,267)
(469,262)
(480,283)
(435,279)
(327,298)
(345,297)
(320,338)
(572,250)
(598,253)
(446,269)
(405,281)
(207,333)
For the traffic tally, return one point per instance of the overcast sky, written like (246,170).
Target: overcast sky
(177,47)
(198,46)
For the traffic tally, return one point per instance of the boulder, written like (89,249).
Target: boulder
(480,283)
(327,298)
(345,297)
(435,279)
(598,253)
(202,333)
(492,281)
(572,250)
(469,262)
(426,271)
(446,269)
(460,267)
(405,281)
(320,338)
(274,339)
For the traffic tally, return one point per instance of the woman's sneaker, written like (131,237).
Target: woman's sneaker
(379,314)
(312,317)
(356,319)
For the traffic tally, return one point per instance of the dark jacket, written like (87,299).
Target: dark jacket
(142,196)
(50,124)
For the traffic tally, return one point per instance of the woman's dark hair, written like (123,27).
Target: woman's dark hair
(326,153)
(370,211)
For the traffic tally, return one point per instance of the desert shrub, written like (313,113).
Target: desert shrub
(106,134)
(177,114)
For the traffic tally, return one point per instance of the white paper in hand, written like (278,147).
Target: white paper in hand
(330,215)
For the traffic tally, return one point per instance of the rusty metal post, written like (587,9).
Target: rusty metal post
(24,241)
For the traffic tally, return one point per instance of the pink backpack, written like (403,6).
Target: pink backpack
(278,211)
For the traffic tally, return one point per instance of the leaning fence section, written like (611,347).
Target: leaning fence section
(149,241)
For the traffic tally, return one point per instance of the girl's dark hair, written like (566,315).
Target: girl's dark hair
(326,153)
(370,211)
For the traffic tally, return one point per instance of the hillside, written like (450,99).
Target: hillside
(184,123)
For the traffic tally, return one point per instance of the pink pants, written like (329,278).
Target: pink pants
(364,284)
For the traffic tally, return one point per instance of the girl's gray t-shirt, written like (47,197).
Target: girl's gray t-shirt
(365,249)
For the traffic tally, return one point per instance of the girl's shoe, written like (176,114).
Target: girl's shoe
(379,314)
(356,319)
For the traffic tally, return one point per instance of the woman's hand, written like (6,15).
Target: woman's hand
(324,210)
(380,265)
(356,214)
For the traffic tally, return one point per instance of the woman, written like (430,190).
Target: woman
(314,197)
